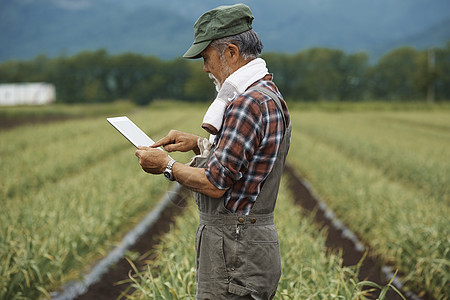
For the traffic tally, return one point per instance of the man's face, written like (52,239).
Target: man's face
(216,66)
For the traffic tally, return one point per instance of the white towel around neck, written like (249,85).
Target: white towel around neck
(233,86)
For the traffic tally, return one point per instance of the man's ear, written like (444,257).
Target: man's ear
(233,53)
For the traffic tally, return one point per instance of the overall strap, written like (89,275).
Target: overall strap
(265,202)
(272,95)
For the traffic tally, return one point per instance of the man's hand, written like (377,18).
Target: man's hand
(178,141)
(153,161)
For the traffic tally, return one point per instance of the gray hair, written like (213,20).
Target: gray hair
(248,42)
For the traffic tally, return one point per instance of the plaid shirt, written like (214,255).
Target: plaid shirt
(247,146)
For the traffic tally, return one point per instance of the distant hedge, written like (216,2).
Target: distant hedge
(404,74)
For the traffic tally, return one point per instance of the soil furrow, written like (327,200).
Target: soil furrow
(107,287)
(337,239)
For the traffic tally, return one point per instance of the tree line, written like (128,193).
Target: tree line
(317,74)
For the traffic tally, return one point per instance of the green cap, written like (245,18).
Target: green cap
(218,23)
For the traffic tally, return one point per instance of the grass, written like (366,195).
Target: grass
(384,171)
(364,106)
(70,190)
(386,176)
(308,271)
(60,110)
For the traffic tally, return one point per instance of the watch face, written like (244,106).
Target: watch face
(168,175)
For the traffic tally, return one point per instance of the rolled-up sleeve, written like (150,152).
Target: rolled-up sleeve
(239,138)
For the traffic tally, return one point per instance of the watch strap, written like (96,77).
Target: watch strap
(168,171)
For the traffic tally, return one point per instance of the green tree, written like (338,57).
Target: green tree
(320,74)
(176,72)
(35,70)
(198,86)
(148,90)
(285,73)
(353,81)
(393,78)
(442,73)
(64,78)
(313,74)
(83,78)
(128,71)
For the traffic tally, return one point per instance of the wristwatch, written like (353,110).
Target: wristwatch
(168,171)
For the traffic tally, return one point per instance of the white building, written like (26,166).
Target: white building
(27,93)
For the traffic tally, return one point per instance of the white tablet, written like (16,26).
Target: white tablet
(129,130)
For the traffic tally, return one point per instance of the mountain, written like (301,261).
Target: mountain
(433,35)
(165,28)
(29,28)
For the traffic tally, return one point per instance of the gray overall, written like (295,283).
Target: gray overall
(238,256)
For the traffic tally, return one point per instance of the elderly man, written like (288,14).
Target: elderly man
(236,173)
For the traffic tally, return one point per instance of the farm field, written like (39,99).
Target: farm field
(385,173)
(69,191)
(308,271)
(26,113)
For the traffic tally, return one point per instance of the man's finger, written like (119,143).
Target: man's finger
(162,142)
(138,152)
(170,147)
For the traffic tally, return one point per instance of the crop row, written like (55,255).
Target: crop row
(309,272)
(70,190)
(23,114)
(386,176)
(408,147)
(33,156)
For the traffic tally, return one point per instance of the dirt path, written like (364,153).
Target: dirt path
(371,269)
(337,238)
(107,288)
(6,124)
